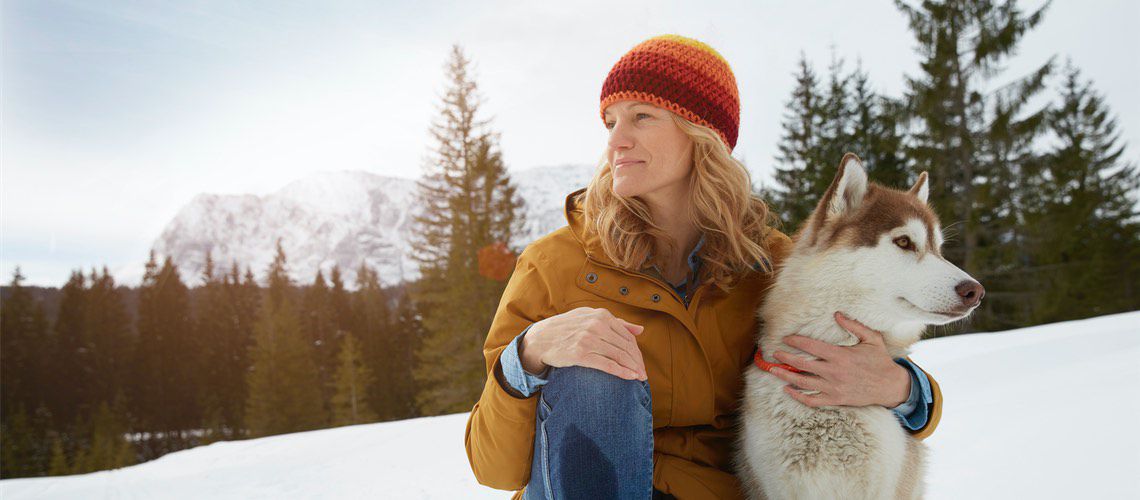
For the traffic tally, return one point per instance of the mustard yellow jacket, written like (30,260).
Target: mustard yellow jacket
(694,356)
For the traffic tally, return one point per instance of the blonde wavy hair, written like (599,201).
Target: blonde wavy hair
(734,220)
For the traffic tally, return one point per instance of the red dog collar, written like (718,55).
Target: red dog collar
(766,366)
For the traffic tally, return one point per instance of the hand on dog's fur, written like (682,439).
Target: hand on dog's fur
(859,375)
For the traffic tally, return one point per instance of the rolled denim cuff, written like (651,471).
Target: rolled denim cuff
(517,376)
(915,411)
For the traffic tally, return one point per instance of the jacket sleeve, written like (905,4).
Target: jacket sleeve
(934,407)
(910,413)
(523,383)
(500,429)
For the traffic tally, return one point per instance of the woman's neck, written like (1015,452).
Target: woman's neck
(673,217)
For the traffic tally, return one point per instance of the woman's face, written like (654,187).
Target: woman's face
(659,154)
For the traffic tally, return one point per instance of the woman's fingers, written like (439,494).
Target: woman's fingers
(803,363)
(801,381)
(626,341)
(633,328)
(603,347)
(599,340)
(812,400)
(608,365)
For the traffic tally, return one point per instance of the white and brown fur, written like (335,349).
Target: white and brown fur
(848,257)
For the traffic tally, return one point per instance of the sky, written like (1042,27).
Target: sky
(114,114)
(1047,380)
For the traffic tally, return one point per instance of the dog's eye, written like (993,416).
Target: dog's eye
(904,243)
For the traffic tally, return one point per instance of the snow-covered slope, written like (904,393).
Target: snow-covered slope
(1043,412)
(335,218)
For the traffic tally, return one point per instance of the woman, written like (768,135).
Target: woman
(615,356)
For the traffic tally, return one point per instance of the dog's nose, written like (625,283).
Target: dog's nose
(971,292)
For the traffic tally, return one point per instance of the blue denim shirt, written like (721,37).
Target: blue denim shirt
(911,413)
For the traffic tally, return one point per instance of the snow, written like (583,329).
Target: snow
(1041,412)
(415,458)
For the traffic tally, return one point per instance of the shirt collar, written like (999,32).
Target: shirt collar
(695,259)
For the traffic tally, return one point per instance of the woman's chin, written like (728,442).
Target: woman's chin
(624,191)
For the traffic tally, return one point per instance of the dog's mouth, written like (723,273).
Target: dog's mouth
(957,313)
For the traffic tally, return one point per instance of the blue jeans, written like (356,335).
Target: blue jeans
(593,437)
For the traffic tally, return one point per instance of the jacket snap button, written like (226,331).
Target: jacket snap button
(624,291)
(591,277)
(656,298)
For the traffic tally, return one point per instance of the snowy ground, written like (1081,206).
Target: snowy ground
(1043,412)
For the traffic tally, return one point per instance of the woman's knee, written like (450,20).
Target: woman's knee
(569,383)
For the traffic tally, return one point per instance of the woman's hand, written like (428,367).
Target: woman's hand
(585,336)
(859,375)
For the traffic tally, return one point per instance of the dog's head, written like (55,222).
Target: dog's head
(882,248)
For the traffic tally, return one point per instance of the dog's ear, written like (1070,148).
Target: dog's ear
(921,187)
(847,190)
(843,196)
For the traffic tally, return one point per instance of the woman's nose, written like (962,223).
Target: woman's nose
(620,137)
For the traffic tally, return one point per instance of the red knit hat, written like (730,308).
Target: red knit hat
(682,75)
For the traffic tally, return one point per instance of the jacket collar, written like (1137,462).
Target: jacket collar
(591,243)
(576,219)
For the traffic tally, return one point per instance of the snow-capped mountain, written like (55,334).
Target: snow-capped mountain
(336,218)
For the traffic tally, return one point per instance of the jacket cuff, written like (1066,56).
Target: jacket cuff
(503,400)
(914,412)
(517,377)
(906,407)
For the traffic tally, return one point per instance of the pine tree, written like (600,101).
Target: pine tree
(349,405)
(245,297)
(380,344)
(408,333)
(1006,152)
(341,302)
(284,395)
(108,447)
(875,133)
(68,386)
(320,331)
(468,203)
(23,346)
(1085,239)
(836,119)
(823,124)
(164,390)
(20,444)
(799,164)
(962,45)
(218,340)
(111,340)
(58,466)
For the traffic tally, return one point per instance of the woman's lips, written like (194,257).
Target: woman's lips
(628,163)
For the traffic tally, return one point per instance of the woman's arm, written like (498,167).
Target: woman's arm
(500,429)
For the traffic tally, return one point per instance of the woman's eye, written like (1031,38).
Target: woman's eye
(610,125)
(904,243)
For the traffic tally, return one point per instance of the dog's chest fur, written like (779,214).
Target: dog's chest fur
(789,450)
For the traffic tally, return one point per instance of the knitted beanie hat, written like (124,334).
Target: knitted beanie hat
(682,75)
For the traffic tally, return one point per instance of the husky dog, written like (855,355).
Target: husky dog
(873,253)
